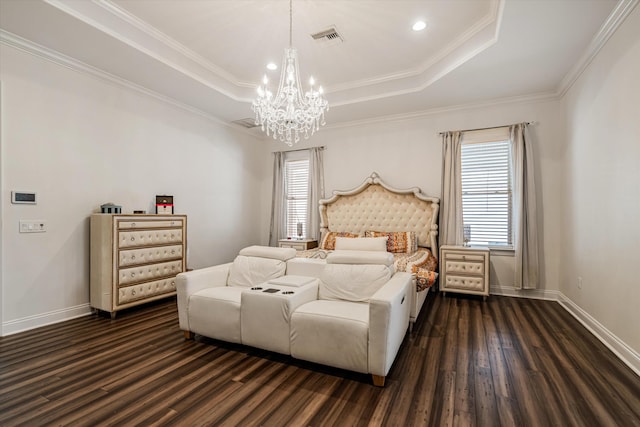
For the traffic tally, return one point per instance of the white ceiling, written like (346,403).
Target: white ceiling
(209,55)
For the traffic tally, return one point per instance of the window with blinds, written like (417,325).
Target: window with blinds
(296,195)
(487,193)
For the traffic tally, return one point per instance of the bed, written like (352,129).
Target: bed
(374,209)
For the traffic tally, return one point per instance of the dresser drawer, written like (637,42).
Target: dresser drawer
(464,283)
(146,290)
(468,267)
(133,224)
(148,272)
(127,239)
(131,257)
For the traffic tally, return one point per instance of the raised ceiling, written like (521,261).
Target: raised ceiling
(209,55)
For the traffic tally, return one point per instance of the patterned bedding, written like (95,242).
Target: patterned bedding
(421,263)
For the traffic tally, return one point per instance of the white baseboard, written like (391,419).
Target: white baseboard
(38,320)
(525,293)
(625,353)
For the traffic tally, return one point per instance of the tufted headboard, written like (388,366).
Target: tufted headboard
(374,205)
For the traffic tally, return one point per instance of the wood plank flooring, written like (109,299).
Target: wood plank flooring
(503,362)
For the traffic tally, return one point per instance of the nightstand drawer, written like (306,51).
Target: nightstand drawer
(468,267)
(464,257)
(464,283)
(298,245)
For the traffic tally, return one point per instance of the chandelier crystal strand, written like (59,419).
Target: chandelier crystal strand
(290,114)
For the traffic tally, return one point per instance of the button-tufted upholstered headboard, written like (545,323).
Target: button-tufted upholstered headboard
(374,205)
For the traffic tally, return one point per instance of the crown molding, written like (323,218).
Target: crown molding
(27,46)
(132,32)
(617,17)
(153,32)
(523,99)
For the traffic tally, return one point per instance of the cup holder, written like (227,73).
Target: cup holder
(287,292)
(256,288)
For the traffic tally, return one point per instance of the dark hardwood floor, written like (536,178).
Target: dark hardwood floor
(504,362)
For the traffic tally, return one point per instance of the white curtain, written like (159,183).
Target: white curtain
(278,227)
(524,210)
(451,201)
(316,191)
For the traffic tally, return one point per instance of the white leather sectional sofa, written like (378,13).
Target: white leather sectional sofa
(351,312)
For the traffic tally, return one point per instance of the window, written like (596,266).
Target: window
(296,175)
(487,189)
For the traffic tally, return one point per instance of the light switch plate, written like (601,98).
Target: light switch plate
(33,226)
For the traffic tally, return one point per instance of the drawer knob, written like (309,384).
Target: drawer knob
(133,274)
(133,224)
(133,239)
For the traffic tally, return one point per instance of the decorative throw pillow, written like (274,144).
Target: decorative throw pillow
(400,242)
(361,244)
(329,239)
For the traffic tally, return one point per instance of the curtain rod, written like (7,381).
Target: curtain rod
(491,127)
(300,149)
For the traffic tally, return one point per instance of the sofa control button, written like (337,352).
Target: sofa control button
(257,288)
(287,292)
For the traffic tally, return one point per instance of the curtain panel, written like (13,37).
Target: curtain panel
(451,207)
(278,225)
(524,210)
(316,192)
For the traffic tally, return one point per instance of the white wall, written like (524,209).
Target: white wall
(407,153)
(601,204)
(80,141)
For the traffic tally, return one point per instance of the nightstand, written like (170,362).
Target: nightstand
(464,270)
(298,245)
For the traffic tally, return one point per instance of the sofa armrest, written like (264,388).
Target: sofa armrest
(190,282)
(389,310)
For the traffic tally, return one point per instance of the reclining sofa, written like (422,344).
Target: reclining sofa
(351,312)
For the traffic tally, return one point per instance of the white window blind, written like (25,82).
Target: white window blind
(487,193)
(297,195)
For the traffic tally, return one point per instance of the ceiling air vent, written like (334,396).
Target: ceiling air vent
(246,123)
(328,36)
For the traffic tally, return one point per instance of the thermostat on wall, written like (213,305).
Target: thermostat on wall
(23,197)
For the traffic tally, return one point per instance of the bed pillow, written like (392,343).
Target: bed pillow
(400,242)
(329,239)
(361,244)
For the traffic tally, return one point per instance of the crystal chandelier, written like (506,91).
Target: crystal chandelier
(290,113)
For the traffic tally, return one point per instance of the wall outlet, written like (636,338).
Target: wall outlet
(579,282)
(33,226)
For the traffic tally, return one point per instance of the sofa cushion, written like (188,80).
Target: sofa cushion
(360,257)
(282,254)
(333,333)
(248,271)
(350,282)
(215,313)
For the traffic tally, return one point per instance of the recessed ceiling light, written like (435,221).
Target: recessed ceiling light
(272,66)
(419,26)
